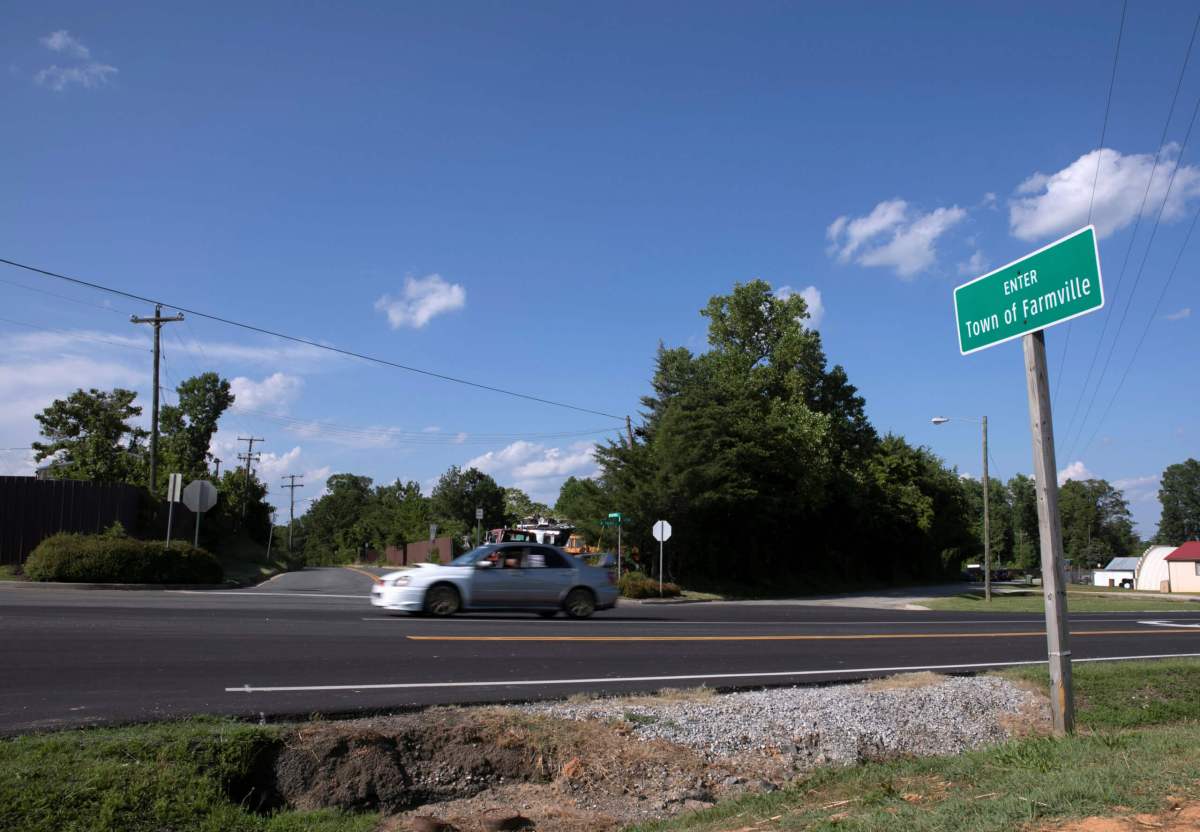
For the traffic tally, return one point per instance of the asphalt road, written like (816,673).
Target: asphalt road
(310,642)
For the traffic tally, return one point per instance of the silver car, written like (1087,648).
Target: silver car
(500,576)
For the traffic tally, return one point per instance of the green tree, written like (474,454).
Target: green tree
(1026,533)
(90,438)
(1096,523)
(518,505)
(395,515)
(186,429)
(764,461)
(583,503)
(458,493)
(242,508)
(1179,495)
(1000,518)
(331,525)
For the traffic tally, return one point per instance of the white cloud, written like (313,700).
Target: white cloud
(812,299)
(273,393)
(1185,312)
(63,41)
(422,299)
(1075,471)
(988,201)
(1052,205)
(272,466)
(1139,489)
(86,73)
(85,339)
(892,236)
(537,469)
(28,385)
(974,266)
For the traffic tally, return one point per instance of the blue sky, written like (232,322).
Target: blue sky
(534,195)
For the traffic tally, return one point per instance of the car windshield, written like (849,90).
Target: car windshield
(469,558)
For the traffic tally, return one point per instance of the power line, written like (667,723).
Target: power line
(1112,81)
(1145,331)
(307,342)
(67,298)
(1133,236)
(1137,278)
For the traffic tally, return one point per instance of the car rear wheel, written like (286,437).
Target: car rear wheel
(442,601)
(580,603)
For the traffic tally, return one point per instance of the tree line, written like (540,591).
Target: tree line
(757,450)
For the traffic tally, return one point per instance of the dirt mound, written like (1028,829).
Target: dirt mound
(478,765)
(396,764)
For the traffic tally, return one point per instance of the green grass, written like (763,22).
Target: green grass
(176,776)
(1077,602)
(986,791)
(9,573)
(1139,741)
(244,572)
(1111,695)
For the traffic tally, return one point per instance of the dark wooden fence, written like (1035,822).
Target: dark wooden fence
(33,509)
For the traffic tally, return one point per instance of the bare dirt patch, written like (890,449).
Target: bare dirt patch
(469,767)
(1178,818)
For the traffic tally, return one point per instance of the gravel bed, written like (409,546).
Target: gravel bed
(838,724)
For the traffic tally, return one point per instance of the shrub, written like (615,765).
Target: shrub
(639,585)
(79,558)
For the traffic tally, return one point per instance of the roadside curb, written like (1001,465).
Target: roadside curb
(624,600)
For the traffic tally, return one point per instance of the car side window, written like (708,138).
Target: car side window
(535,558)
(511,557)
(553,559)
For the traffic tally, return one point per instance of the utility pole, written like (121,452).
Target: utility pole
(629,430)
(217,474)
(987,526)
(292,485)
(157,321)
(249,457)
(1041,424)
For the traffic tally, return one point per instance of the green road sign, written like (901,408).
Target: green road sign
(614,515)
(610,522)
(1047,287)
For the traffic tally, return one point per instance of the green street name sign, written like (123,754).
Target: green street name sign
(1049,286)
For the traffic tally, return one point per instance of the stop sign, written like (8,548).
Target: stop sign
(200,496)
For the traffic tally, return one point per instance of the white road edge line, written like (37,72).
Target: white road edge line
(615,679)
(252,594)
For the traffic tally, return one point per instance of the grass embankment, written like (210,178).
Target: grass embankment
(1076,602)
(1139,741)
(194,775)
(9,573)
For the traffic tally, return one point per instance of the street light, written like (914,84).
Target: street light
(987,536)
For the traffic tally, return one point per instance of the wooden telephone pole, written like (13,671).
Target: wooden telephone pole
(156,321)
(291,485)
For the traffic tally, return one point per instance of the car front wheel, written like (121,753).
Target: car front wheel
(580,603)
(442,601)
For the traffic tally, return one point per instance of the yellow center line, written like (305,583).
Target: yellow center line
(374,578)
(805,637)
